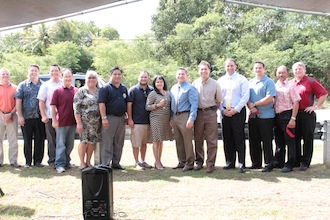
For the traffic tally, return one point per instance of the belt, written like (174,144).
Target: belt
(285,112)
(208,108)
(116,115)
(178,113)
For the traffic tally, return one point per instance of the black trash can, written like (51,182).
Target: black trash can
(97,193)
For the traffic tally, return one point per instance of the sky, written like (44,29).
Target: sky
(129,20)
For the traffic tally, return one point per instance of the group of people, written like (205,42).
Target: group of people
(186,113)
(54,109)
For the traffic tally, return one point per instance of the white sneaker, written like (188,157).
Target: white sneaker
(138,166)
(60,169)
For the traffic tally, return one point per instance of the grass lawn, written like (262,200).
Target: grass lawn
(41,193)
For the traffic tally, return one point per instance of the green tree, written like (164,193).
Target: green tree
(109,33)
(37,40)
(66,54)
(169,14)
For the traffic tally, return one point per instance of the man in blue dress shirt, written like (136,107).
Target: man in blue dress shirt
(184,103)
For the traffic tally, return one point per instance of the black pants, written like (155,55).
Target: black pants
(282,139)
(261,132)
(34,128)
(305,126)
(234,137)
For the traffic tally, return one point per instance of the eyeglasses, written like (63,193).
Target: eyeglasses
(92,77)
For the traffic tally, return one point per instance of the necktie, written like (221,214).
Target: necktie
(228,94)
(177,99)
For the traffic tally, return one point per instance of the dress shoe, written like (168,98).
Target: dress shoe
(209,169)
(303,167)
(15,165)
(267,169)
(241,170)
(187,168)
(117,167)
(254,167)
(228,167)
(179,166)
(286,169)
(277,165)
(198,167)
(39,165)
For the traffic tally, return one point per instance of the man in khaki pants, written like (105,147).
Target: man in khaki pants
(206,126)
(184,101)
(8,117)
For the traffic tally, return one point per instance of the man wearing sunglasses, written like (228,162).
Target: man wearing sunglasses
(286,108)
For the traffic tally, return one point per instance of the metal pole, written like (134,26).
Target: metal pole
(326,143)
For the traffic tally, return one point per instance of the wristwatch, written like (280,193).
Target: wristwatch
(104,117)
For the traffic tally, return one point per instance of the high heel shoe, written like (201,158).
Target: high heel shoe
(158,167)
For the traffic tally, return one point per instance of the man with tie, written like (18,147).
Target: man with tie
(236,93)
(184,102)
(206,125)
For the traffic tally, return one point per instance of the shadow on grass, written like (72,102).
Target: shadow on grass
(16,211)
(316,171)
(43,172)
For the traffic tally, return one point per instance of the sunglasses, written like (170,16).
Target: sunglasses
(145,93)
(92,77)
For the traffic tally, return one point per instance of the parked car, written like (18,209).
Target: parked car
(78,79)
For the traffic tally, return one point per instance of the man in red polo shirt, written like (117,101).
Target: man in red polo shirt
(308,89)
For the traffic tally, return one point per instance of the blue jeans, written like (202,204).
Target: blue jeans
(64,145)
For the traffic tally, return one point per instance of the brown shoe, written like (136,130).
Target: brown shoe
(15,165)
(187,168)
(179,166)
(209,169)
(198,167)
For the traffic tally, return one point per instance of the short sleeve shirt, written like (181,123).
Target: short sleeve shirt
(46,92)
(309,88)
(7,101)
(63,101)
(260,89)
(115,99)
(138,97)
(286,96)
(27,91)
